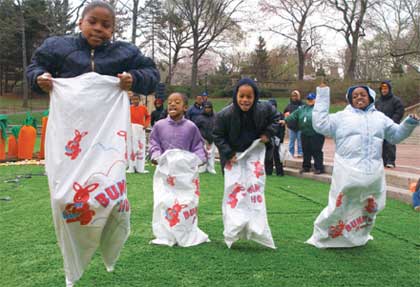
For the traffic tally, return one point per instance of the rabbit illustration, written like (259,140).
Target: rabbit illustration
(73,146)
(80,209)
(196,182)
(172,214)
(233,200)
(337,230)
(371,205)
(259,169)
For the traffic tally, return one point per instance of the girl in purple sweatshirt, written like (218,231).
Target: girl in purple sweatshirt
(176,132)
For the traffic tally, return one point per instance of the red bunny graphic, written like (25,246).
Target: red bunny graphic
(233,200)
(259,169)
(73,146)
(371,205)
(172,214)
(79,210)
(196,182)
(337,230)
(339,200)
(171,180)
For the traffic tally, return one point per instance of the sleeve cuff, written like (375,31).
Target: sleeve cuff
(412,121)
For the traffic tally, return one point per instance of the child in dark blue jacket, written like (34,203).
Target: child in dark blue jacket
(92,51)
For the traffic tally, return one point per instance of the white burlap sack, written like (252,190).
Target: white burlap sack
(137,147)
(284,153)
(86,150)
(211,154)
(244,210)
(176,191)
(355,199)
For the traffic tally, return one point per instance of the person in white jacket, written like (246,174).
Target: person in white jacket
(358,188)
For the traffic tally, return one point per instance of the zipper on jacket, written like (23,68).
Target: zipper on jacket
(92,59)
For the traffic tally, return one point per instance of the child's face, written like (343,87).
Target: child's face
(176,106)
(158,104)
(245,97)
(208,110)
(97,26)
(135,100)
(360,98)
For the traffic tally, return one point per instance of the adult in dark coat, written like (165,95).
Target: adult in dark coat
(393,108)
(205,122)
(159,111)
(196,109)
(273,148)
(243,121)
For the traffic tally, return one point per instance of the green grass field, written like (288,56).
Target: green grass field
(30,256)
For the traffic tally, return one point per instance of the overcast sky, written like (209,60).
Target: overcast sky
(254,23)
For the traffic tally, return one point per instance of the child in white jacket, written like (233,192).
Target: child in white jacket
(358,189)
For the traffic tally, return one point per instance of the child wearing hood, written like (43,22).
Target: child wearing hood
(205,123)
(242,122)
(358,189)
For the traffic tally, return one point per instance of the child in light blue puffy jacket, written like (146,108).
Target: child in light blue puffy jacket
(358,188)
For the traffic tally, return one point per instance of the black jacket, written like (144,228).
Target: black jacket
(205,124)
(292,106)
(68,56)
(279,129)
(390,105)
(158,114)
(235,130)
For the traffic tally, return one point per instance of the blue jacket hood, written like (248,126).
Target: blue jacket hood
(350,90)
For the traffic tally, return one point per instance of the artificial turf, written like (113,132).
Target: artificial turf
(30,256)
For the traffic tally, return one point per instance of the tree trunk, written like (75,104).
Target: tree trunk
(153,37)
(301,62)
(169,78)
(351,70)
(194,67)
(24,61)
(134,21)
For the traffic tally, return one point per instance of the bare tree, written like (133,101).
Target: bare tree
(208,20)
(176,35)
(62,18)
(295,14)
(352,20)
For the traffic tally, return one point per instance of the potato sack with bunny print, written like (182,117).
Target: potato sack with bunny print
(358,187)
(176,193)
(243,207)
(86,156)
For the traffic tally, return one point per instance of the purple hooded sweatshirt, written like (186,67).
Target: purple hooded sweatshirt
(169,134)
